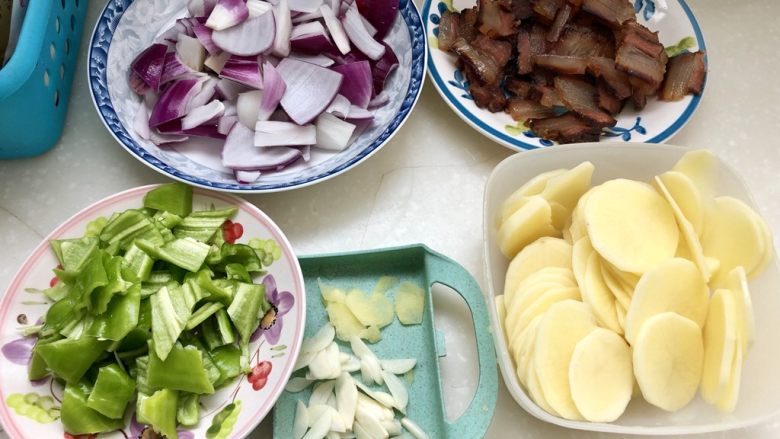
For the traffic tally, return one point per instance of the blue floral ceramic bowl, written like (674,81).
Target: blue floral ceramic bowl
(126,27)
(658,121)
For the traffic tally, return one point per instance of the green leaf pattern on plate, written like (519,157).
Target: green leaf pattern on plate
(224,421)
(39,408)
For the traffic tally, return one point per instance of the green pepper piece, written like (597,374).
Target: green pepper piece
(159,411)
(142,375)
(193,293)
(157,279)
(245,309)
(113,391)
(170,313)
(218,331)
(203,225)
(237,272)
(238,254)
(95,226)
(182,370)
(186,253)
(93,275)
(37,368)
(140,263)
(116,284)
(212,371)
(188,413)
(70,359)
(121,316)
(78,418)
(217,293)
(74,253)
(76,328)
(167,219)
(58,291)
(202,313)
(228,361)
(62,312)
(130,225)
(175,198)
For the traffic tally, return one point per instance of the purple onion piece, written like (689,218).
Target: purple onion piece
(149,64)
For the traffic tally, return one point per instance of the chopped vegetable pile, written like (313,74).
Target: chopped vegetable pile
(155,304)
(270,79)
(565,68)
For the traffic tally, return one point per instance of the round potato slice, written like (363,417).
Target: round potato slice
(561,328)
(622,293)
(528,297)
(537,394)
(732,235)
(720,343)
(544,252)
(559,215)
(769,247)
(579,259)
(568,187)
(596,294)
(687,197)
(529,223)
(524,350)
(514,311)
(577,228)
(667,359)
(601,376)
(728,402)
(628,280)
(675,285)
(746,323)
(501,313)
(631,225)
(559,276)
(535,186)
(621,315)
(689,246)
(541,305)
(701,166)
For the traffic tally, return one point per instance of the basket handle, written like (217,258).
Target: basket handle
(475,420)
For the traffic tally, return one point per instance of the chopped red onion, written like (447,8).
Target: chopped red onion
(248,107)
(217,62)
(383,68)
(240,154)
(203,34)
(339,107)
(357,85)
(141,122)
(359,114)
(320,60)
(381,14)
(333,133)
(310,89)
(175,70)
(305,5)
(335,29)
(283,28)
(271,133)
(252,37)
(273,90)
(173,101)
(244,71)
(149,64)
(379,100)
(258,7)
(200,115)
(190,52)
(308,16)
(358,34)
(227,13)
(247,177)
(205,95)
(200,8)
(226,123)
(228,90)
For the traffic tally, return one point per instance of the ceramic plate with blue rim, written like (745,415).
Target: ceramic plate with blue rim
(126,27)
(656,123)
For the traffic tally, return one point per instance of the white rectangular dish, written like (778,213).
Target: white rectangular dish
(760,393)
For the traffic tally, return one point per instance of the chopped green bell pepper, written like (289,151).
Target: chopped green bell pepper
(238,254)
(188,413)
(186,253)
(112,392)
(182,370)
(175,198)
(245,310)
(141,375)
(228,361)
(203,225)
(78,418)
(170,313)
(37,369)
(218,331)
(74,253)
(116,284)
(237,272)
(140,263)
(202,313)
(159,411)
(70,359)
(217,292)
(121,316)
(130,225)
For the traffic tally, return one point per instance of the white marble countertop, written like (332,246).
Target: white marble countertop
(424,186)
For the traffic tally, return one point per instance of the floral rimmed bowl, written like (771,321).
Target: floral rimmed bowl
(245,401)
(126,27)
(656,123)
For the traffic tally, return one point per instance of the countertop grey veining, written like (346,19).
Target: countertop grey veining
(426,185)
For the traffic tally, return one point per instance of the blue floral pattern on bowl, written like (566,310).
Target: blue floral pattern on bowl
(132,25)
(657,123)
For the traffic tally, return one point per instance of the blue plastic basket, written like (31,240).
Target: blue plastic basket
(35,83)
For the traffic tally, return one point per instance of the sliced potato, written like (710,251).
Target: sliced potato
(501,312)
(579,259)
(551,276)
(559,215)
(344,321)
(561,328)
(689,246)
(372,309)
(596,294)
(577,228)
(567,188)
(746,324)
(667,357)
(535,186)
(732,235)
(537,292)
(544,252)
(628,280)
(720,343)
(687,197)
(537,394)
(701,167)
(621,312)
(630,225)
(728,402)
(410,303)
(601,376)
(675,285)
(540,306)
(525,349)
(621,292)
(527,224)
(769,247)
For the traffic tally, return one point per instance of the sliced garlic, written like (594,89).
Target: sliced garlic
(321,393)
(398,367)
(296,384)
(346,398)
(301,423)
(321,340)
(413,428)
(398,390)
(320,427)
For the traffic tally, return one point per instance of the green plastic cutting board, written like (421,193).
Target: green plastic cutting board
(419,265)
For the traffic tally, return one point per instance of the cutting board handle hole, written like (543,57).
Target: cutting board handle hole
(458,358)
